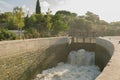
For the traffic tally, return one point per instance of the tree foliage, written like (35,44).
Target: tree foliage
(4,17)
(48,20)
(58,24)
(18,17)
(47,24)
(38,8)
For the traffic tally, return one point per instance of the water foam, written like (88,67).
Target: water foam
(80,66)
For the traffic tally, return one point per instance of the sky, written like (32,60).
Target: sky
(107,10)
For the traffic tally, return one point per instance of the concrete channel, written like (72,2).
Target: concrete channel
(22,59)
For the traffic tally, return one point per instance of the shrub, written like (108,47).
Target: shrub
(7,35)
(31,33)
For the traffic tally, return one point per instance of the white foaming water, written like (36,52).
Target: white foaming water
(80,66)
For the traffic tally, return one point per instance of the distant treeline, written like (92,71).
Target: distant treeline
(61,23)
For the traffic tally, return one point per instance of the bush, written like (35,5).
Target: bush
(7,35)
(31,33)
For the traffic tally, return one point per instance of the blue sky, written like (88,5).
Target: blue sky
(107,9)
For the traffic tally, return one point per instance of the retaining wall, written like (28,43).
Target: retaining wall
(111,70)
(22,59)
(103,52)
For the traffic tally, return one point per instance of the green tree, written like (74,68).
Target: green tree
(58,24)
(38,8)
(92,17)
(67,16)
(10,24)
(18,19)
(48,20)
(27,22)
(36,21)
(82,25)
(32,21)
(64,12)
(4,17)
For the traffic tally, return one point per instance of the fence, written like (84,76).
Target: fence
(84,37)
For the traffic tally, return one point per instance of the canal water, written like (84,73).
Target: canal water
(80,66)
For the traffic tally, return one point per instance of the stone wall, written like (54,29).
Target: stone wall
(22,59)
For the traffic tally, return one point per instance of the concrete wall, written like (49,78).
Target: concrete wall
(22,59)
(107,56)
(111,71)
(104,50)
(109,46)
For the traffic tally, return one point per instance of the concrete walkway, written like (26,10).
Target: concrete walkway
(112,70)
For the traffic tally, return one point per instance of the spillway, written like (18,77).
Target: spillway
(24,59)
(80,65)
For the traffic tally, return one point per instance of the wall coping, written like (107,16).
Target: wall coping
(33,39)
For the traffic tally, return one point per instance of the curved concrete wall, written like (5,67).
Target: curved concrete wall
(111,71)
(109,46)
(21,59)
(104,50)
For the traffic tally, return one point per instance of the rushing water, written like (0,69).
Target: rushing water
(80,66)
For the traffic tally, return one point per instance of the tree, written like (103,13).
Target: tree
(32,21)
(4,17)
(36,21)
(27,24)
(10,24)
(48,20)
(80,24)
(63,12)
(18,19)
(67,16)
(38,8)
(58,24)
(40,22)
(92,17)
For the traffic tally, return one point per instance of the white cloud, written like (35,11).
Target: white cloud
(62,2)
(106,9)
(54,2)
(45,4)
(5,4)
(24,8)
(1,10)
